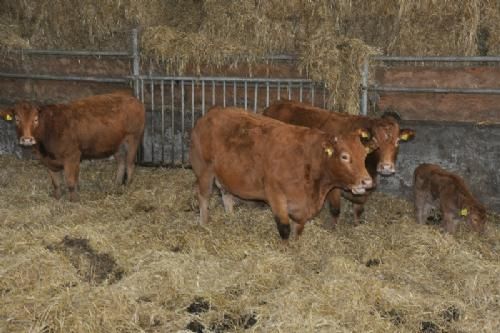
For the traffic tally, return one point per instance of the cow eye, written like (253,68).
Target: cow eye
(344,157)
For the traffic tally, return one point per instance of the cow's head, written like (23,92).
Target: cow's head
(388,136)
(475,215)
(25,117)
(346,156)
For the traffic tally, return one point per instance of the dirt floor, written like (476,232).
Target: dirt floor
(136,260)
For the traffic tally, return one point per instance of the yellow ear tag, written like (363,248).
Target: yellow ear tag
(464,212)
(404,137)
(364,135)
(329,151)
(8,117)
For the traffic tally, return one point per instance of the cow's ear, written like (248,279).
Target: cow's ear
(7,114)
(406,134)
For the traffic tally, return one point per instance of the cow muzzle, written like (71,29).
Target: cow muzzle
(386,169)
(366,183)
(27,141)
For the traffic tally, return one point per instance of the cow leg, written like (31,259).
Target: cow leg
(132,146)
(359,207)
(55,177)
(204,189)
(120,157)
(299,228)
(279,207)
(227,198)
(71,172)
(334,206)
(449,223)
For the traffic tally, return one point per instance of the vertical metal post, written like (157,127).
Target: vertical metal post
(246,95)
(279,91)
(135,61)
(152,87)
(213,92)
(267,94)
(301,91)
(182,121)
(289,90)
(162,122)
(364,89)
(192,104)
(235,98)
(312,94)
(172,151)
(224,93)
(256,92)
(203,97)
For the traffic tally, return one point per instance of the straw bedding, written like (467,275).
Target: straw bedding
(136,260)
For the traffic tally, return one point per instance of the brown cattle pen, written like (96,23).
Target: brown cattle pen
(136,260)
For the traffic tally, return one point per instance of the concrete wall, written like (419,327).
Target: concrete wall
(471,151)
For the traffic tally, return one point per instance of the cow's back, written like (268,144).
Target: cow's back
(246,151)
(95,125)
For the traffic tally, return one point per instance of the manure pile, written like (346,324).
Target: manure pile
(136,260)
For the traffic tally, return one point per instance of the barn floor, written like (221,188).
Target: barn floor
(136,260)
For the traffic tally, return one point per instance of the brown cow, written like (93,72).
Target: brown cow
(291,168)
(386,136)
(435,187)
(93,127)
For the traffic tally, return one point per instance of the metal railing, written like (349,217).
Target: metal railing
(366,87)
(173,103)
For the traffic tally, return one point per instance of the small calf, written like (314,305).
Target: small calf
(435,187)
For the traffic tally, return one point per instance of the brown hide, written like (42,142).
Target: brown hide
(446,191)
(93,127)
(385,131)
(291,168)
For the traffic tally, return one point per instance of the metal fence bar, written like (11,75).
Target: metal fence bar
(135,61)
(267,94)
(301,90)
(235,99)
(75,53)
(63,78)
(172,151)
(182,122)
(436,58)
(224,94)
(486,91)
(162,91)
(279,91)
(192,104)
(246,95)
(289,90)
(256,92)
(312,94)
(213,92)
(203,98)
(152,121)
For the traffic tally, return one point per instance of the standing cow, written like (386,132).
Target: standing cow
(386,136)
(93,127)
(291,168)
(438,188)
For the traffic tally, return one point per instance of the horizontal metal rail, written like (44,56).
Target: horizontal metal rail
(75,53)
(485,91)
(221,79)
(436,59)
(64,78)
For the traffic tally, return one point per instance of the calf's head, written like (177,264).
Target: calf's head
(475,216)
(25,116)
(345,157)
(388,136)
